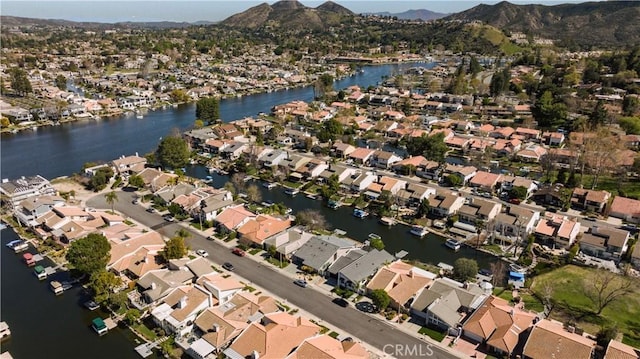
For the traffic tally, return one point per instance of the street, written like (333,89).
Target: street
(375,332)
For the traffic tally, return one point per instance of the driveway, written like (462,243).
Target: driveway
(377,333)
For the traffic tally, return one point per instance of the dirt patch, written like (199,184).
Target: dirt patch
(67,185)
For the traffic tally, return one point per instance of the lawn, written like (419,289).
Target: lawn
(277,263)
(573,305)
(146,332)
(255,251)
(432,333)
(504,293)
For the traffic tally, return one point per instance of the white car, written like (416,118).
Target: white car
(202,253)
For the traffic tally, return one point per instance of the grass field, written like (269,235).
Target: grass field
(573,305)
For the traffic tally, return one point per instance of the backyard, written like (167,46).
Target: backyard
(566,285)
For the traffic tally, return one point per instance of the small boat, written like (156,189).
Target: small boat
(28,259)
(13,243)
(5,333)
(453,244)
(387,221)
(291,191)
(56,287)
(418,231)
(91,305)
(360,213)
(333,204)
(40,272)
(99,326)
(374,236)
(310,196)
(269,185)
(21,246)
(2,226)
(67,285)
(439,224)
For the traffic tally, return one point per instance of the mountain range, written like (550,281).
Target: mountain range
(419,14)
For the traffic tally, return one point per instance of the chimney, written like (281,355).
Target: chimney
(183,302)
(216,327)
(153,285)
(255,355)
(594,230)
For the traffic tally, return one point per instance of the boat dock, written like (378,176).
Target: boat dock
(144,350)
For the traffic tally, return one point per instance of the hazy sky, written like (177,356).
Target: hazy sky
(211,10)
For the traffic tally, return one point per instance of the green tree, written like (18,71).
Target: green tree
(111,198)
(548,112)
(101,178)
(61,82)
(330,130)
(102,284)
(131,316)
(174,249)
(453,180)
(631,125)
(431,147)
(465,268)
(253,193)
(598,116)
(197,124)
(518,192)
(20,82)
(323,85)
(89,254)
(376,243)
(630,105)
(603,287)
(474,66)
(208,110)
(424,208)
(136,181)
(380,298)
(173,152)
(606,334)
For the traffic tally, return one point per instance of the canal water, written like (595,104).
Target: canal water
(430,249)
(62,150)
(44,325)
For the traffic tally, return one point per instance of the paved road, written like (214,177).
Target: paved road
(377,333)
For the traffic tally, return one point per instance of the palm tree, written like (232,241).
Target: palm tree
(111,198)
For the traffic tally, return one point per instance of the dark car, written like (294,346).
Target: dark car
(366,307)
(341,302)
(228,266)
(485,272)
(150,210)
(300,282)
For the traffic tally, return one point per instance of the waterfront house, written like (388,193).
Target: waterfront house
(360,182)
(133,253)
(28,210)
(550,339)
(401,281)
(16,191)
(274,337)
(324,346)
(478,210)
(221,324)
(515,222)
(340,171)
(294,163)
(445,203)
(355,274)
(313,168)
(605,242)
(256,230)
(557,231)
(178,310)
(320,252)
(211,206)
(155,179)
(234,150)
(392,185)
(289,241)
(498,325)
(626,209)
(157,284)
(590,200)
(169,193)
(414,193)
(222,287)
(446,303)
(232,217)
(126,166)
(273,158)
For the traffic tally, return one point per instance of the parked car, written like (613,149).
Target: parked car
(341,302)
(202,253)
(300,282)
(228,266)
(366,307)
(150,210)
(168,218)
(515,200)
(239,252)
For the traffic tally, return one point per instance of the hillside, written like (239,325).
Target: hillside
(24,21)
(420,14)
(600,24)
(289,14)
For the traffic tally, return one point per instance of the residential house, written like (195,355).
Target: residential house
(31,208)
(384,159)
(465,173)
(529,134)
(557,231)
(502,132)
(360,182)
(618,350)
(392,185)
(514,223)
(507,183)
(289,241)
(531,153)
(326,347)
(626,209)
(553,138)
(232,218)
(414,193)
(445,203)
(320,252)
(313,168)
(507,148)
(234,150)
(605,242)
(222,287)
(430,170)
(401,281)
(446,303)
(354,275)
(157,284)
(169,193)
(134,253)
(179,309)
(273,159)
(551,195)
(155,179)
(256,230)
(341,172)
(549,339)
(342,150)
(274,337)
(212,205)
(590,200)
(294,162)
(498,325)
(221,324)
(485,181)
(478,210)
(635,256)
(361,155)
(16,191)
(408,165)
(563,157)
(126,166)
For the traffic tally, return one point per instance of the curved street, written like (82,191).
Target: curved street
(373,331)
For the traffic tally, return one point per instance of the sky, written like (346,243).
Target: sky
(210,10)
